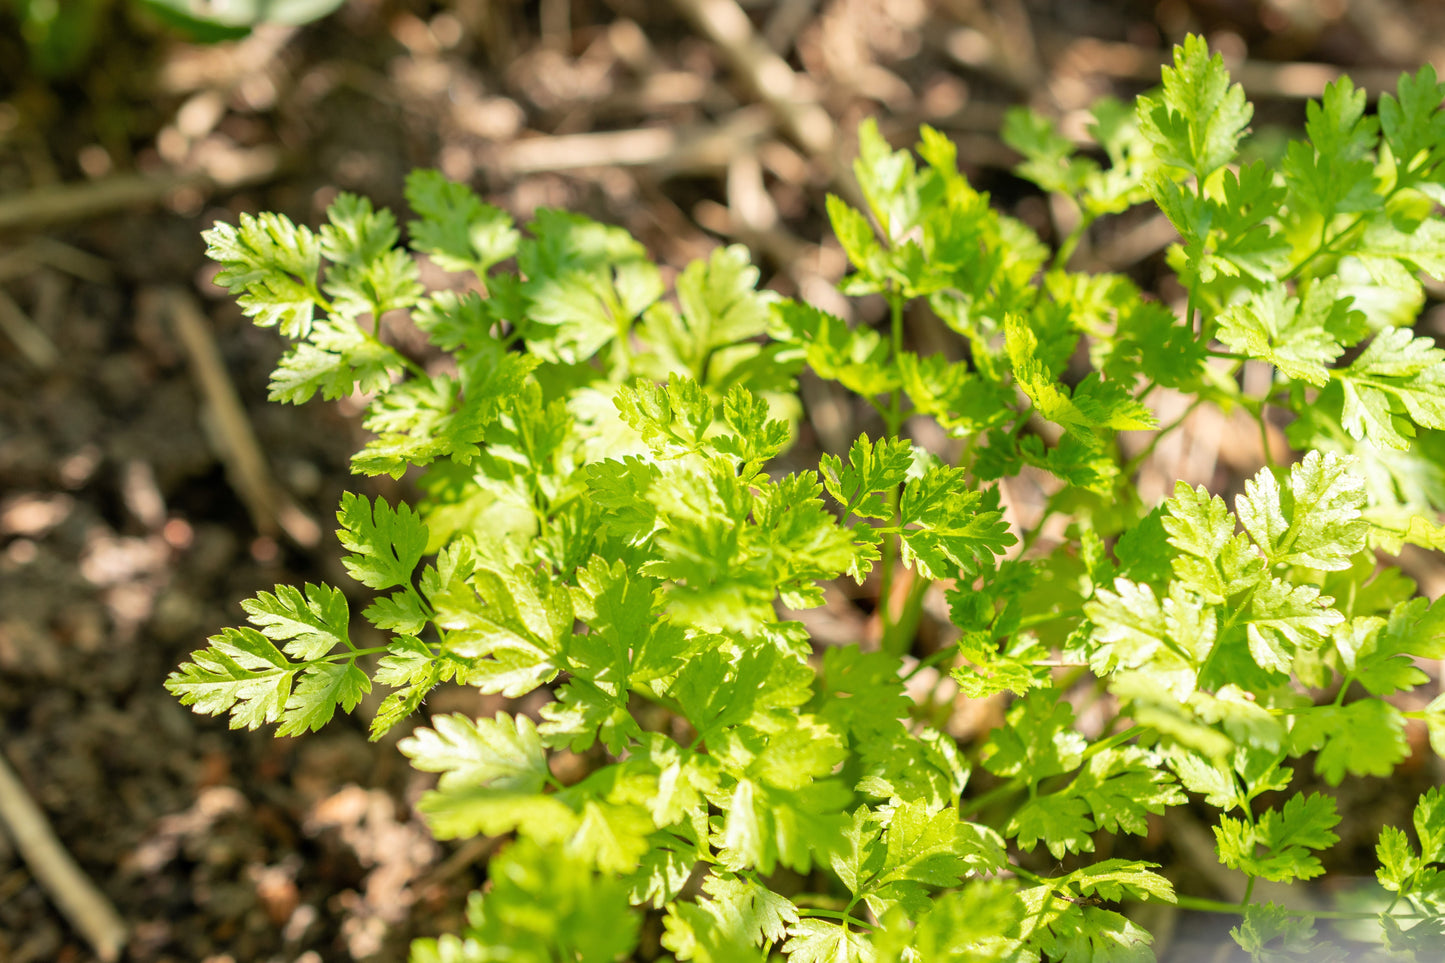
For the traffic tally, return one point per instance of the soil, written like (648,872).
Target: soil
(124,538)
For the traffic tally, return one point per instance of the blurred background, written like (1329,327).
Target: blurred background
(146,486)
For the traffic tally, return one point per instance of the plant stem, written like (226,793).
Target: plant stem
(1133,463)
(895,313)
(996,793)
(1259,416)
(888,637)
(1071,242)
(934,658)
(410,365)
(1201,905)
(352,653)
(905,627)
(834,915)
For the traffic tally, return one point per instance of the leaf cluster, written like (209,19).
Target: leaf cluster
(613,536)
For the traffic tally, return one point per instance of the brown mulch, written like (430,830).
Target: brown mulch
(126,534)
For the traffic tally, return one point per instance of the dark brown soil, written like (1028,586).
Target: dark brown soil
(123,542)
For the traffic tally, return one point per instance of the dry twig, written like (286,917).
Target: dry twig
(92,199)
(26,335)
(77,897)
(665,148)
(268,505)
(48,251)
(767,75)
(1123,61)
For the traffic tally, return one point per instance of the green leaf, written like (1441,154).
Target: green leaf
(1049,159)
(856,236)
(320,690)
(873,471)
(1316,522)
(504,752)
(386,543)
(946,526)
(336,359)
(1398,860)
(241,672)
(672,418)
(586,918)
(455,228)
(747,909)
(1397,381)
(612,838)
(1301,339)
(310,623)
(512,628)
(1284,836)
(935,848)
(1413,122)
(271,265)
(1197,122)
(1134,629)
(1365,738)
(401,612)
(1039,739)
(1094,404)
(755,438)
(889,181)
(856,358)
(720,301)
(1122,787)
(1333,173)
(582,714)
(822,941)
(1429,820)
(1119,879)
(1394,250)
(1084,934)
(414,669)
(1061,821)
(1271,932)
(367,274)
(1245,244)
(587,283)
(1285,618)
(1214,780)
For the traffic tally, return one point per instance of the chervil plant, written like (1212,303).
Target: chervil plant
(598,524)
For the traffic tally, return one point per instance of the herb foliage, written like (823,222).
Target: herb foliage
(600,520)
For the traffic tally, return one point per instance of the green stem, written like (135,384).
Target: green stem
(1260,418)
(1044,618)
(835,915)
(1022,873)
(885,593)
(1033,533)
(1002,791)
(889,640)
(1071,242)
(1325,245)
(895,313)
(1248,891)
(1344,687)
(905,627)
(352,653)
(1133,464)
(1201,905)
(1118,738)
(932,659)
(410,365)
